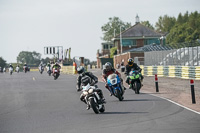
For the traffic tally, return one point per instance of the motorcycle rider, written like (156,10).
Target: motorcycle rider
(17,67)
(83,79)
(11,66)
(56,65)
(132,66)
(110,70)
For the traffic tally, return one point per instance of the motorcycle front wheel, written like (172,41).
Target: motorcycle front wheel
(93,105)
(118,94)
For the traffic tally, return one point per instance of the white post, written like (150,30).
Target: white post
(121,39)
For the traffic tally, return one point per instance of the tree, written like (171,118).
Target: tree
(165,23)
(113,26)
(113,51)
(186,29)
(2,62)
(29,57)
(147,24)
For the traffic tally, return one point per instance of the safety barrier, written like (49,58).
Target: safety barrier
(185,72)
(68,69)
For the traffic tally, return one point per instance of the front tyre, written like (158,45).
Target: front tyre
(93,105)
(102,109)
(118,94)
(137,87)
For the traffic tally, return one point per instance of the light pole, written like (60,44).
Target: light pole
(121,38)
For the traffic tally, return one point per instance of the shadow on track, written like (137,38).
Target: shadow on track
(124,112)
(131,100)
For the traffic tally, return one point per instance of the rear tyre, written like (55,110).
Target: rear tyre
(93,105)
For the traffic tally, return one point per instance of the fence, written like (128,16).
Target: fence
(184,54)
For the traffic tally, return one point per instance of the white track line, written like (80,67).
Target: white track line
(176,104)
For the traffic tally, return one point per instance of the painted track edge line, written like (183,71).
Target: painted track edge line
(177,104)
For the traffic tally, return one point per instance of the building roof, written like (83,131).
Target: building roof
(148,48)
(139,30)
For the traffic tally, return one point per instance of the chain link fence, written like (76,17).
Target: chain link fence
(182,54)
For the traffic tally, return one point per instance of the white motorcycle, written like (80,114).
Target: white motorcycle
(10,70)
(92,98)
(17,69)
(41,69)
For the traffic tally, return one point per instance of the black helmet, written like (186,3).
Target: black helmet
(130,61)
(80,69)
(108,66)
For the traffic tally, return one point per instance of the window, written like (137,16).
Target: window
(105,46)
(151,41)
(128,42)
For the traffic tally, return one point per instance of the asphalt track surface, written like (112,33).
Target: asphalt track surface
(35,103)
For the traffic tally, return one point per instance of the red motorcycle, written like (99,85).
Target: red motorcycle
(56,73)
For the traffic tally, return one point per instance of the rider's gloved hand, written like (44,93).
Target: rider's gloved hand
(78,89)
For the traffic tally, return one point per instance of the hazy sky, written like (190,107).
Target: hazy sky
(30,25)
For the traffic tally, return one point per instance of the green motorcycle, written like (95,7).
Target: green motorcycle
(135,81)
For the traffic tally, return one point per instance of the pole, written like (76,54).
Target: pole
(121,39)
(192,91)
(156,83)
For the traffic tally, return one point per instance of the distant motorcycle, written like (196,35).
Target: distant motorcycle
(114,84)
(56,73)
(135,80)
(41,69)
(92,98)
(49,70)
(17,69)
(25,69)
(10,70)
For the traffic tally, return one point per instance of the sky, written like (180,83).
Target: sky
(31,25)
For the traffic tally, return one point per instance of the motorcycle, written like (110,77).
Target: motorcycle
(135,81)
(17,69)
(41,69)
(49,70)
(10,70)
(25,69)
(56,73)
(114,84)
(92,98)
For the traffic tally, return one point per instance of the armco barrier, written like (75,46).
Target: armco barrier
(185,72)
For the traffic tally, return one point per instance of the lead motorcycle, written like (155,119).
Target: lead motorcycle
(135,80)
(114,83)
(92,98)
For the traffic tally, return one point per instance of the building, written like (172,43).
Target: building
(135,37)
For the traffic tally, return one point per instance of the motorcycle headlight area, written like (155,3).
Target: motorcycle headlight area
(113,81)
(85,93)
(90,90)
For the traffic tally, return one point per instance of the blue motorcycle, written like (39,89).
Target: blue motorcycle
(114,84)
